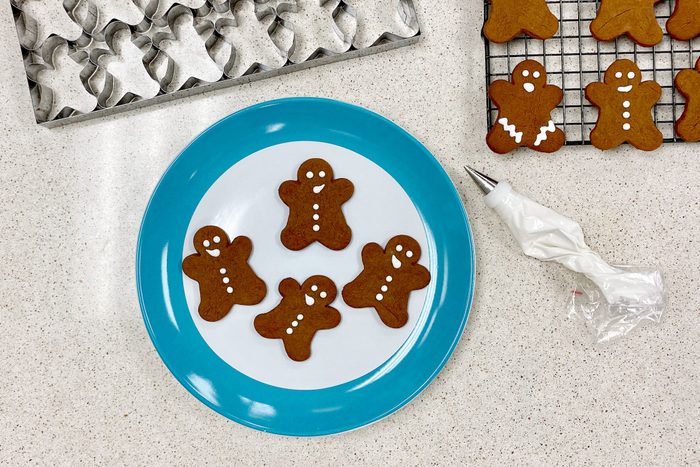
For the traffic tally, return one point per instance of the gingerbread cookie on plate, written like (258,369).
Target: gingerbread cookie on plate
(634,18)
(510,18)
(684,23)
(688,84)
(221,268)
(625,104)
(315,201)
(389,276)
(524,107)
(304,310)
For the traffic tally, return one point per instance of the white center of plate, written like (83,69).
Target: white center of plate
(244,201)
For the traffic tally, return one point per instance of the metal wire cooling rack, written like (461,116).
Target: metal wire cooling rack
(574,58)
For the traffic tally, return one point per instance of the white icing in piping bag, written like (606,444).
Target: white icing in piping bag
(548,236)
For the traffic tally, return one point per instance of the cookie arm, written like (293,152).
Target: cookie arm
(287,191)
(686,79)
(329,319)
(345,189)
(652,89)
(595,93)
(288,286)
(190,266)
(499,92)
(371,251)
(554,93)
(242,245)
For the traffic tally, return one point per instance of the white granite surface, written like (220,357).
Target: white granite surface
(81,383)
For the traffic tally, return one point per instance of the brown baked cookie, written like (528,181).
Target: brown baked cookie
(688,84)
(221,268)
(387,280)
(510,18)
(625,103)
(684,23)
(524,107)
(634,18)
(304,310)
(315,201)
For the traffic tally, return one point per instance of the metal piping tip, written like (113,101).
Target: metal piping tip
(486,183)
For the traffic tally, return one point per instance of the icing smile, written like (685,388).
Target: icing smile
(309,300)
(395,262)
(625,88)
(318,188)
(214,253)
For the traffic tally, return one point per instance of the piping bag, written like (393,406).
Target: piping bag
(613,299)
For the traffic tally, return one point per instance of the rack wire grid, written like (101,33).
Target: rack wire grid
(574,58)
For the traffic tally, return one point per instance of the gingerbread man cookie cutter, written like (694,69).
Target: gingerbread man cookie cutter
(89,25)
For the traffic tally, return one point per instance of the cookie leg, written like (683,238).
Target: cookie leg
(647,33)
(648,138)
(688,126)
(500,141)
(502,25)
(607,29)
(543,24)
(553,143)
(605,139)
(338,238)
(298,349)
(294,239)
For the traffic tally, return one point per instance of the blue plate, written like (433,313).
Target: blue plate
(304,412)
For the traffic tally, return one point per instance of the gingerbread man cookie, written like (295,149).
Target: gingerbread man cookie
(688,84)
(387,280)
(510,18)
(625,103)
(524,106)
(221,268)
(684,23)
(315,201)
(304,310)
(634,18)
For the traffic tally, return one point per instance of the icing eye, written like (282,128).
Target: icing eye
(618,75)
(399,247)
(536,74)
(322,174)
(309,174)
(323,294)
(217,239)
(409,254)
(206,243)
(631,75)
(314,288)
(526,73)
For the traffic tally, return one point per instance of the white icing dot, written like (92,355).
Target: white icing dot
(384,288)
(626,115)
(631,75)
(389,278)
(217,239)
(379,297)
(316,206)
(316,217)
(290,330)
(222,270)
(206,243)
(322,174)
(536,74)
(300,317)
(626,104)
(229,289)
(409,254)
(314,288)
(526,73)
(309,174)
(323,294)
(399,247)
(626,126)
(618,75)
(316,228)
(226,280)
(295,323)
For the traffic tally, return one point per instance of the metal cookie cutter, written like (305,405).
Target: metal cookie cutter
(188,46)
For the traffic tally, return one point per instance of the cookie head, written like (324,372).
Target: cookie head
(318,290)
(404,251)
(210,241)
(530,75)
(315,173)
(624,75)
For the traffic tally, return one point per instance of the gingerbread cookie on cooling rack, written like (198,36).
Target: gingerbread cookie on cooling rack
(684,23)
(510,18)
(524,107)
(304,310)
(389,276)
(315,201)
(625,104)
(221,268)
(634,18)
(688,84)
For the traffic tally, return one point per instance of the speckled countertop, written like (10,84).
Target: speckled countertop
(82,383)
